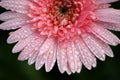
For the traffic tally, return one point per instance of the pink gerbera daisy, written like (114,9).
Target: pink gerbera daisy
(71,32)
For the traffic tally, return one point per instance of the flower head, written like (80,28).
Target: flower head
(71,32)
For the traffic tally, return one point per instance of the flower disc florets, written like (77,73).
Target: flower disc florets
(61,18)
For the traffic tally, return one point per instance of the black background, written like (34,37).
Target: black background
(12,69)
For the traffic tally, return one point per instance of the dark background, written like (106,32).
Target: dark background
(12,69)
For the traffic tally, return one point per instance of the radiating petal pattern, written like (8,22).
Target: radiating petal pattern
(71,33)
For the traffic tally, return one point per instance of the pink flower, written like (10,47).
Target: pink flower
(71,32)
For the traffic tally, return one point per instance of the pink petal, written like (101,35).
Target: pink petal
(108,15)
(14,23)
(62,57)
(20,34)
(39,62)
(68,70)
(103,45)
(20,6)
(110,26)
(10,15)
(95,48)
(70,57)
(22,44)
(105,1)
(27,52)
(44,52)
(85,55)
(30,49)
(46,45)
(73,58)
(78,63)
(50,62)
(104,35)
(32,58)
(102,6)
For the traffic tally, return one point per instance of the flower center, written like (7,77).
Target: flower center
(64,6)
(63,10)
(59,18)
